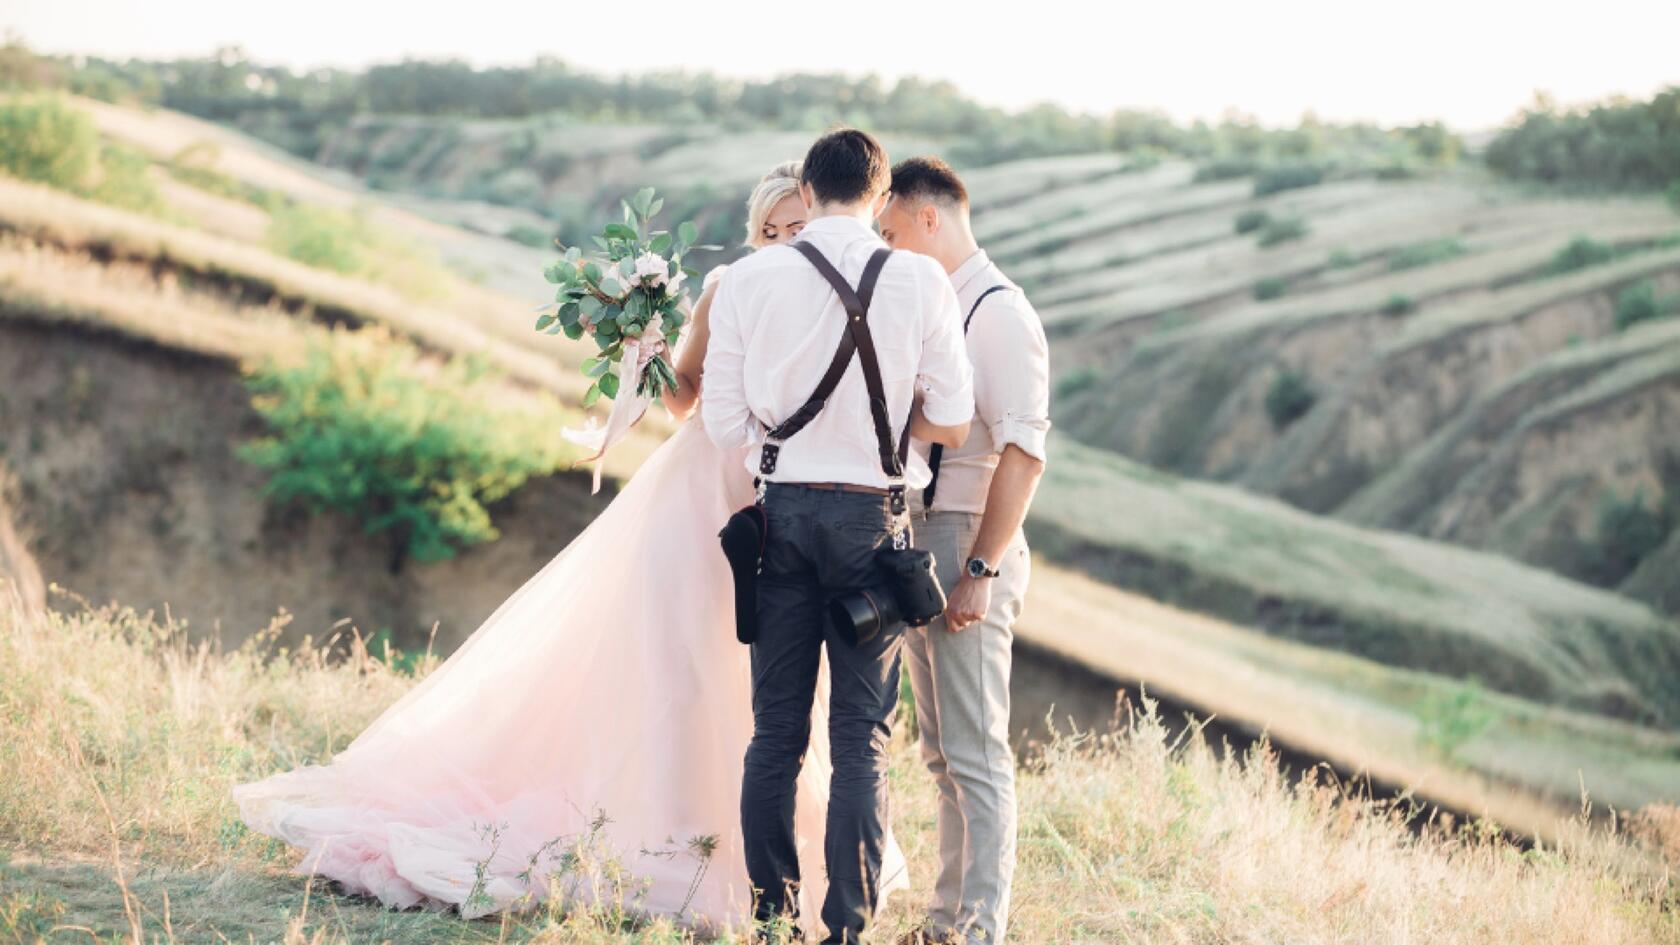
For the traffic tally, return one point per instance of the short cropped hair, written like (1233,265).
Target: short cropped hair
(846,166)
(780,182)
(921,179)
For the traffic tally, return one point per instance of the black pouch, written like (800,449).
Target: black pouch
(743,544)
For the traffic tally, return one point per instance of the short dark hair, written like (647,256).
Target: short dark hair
(846,166)
(928,178)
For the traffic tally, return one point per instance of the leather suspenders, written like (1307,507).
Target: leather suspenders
(856,339)
(937,453)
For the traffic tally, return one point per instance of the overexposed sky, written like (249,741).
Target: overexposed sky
(1471,63)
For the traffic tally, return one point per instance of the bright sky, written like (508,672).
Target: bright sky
(1471,63)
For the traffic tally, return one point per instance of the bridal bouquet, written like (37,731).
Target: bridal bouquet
(628,297)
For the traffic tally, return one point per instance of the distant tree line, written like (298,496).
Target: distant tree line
(1619,144)
(301,110)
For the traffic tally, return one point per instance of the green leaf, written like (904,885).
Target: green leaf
(569,313)
(589,306)
(609,384)
(555,272)
(574,331)
(600,242)
(642,201)
(618,231)
(688,232)
(655,207)
(591,395)
(546,319)
(592,271)
(661,244)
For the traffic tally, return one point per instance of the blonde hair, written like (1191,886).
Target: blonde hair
(782,180)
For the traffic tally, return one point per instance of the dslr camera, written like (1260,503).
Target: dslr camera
(905,590)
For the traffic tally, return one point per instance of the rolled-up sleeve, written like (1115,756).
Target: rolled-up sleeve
(1011,373)
(944,376)
(723,404)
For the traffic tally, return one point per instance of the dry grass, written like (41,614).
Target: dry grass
(121,737)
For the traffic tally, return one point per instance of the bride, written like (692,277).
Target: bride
(578,731)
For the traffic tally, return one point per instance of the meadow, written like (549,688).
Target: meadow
(121,735)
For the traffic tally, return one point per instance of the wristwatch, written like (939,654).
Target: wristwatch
(978,568)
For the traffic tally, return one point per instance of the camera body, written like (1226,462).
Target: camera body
(906,590)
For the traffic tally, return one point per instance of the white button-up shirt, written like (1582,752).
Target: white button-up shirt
(775,324)
(1011,385)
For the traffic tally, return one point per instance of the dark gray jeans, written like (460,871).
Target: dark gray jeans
(821,542)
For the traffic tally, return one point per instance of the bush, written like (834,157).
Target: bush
(1619,144)
(44,140)
(1426,253)
(1225,169)
(1270,287)
(1250,220)
(1639,302)
(1581,252)
(1627,532)
(1398,304)
(1342,259)
(1282,231)
(1076,381)
(1287,177)
(1673,195)
(531,236)
(124,180)
(1447,720)
(346,241)
(360,426)
(1289,398)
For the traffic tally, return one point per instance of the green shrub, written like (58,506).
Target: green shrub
(1398,304)
(346,241)
(1639,302)
(1282,230)
(1270,287)
(1076,381)
(124,180)
(1627,532)
(361,427)
(1225,169)
(1289,398)
(195,165)
(1342,259)
(1447,720)
(42,139)
(1673,195)
(1426,253)
(1287,177)
(1581,252)
(1250,220)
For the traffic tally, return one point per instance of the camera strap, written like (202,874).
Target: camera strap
(937,453)
(856,339)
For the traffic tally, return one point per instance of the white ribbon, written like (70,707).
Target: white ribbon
(628,406)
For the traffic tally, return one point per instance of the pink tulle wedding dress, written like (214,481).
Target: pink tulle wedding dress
(599,715)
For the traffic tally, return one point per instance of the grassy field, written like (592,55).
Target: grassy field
(121,738)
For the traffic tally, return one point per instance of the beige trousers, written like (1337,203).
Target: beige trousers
(961,686)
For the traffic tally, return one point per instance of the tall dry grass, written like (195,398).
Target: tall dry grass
(120,736)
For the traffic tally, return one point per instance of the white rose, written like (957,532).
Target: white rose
(651,268)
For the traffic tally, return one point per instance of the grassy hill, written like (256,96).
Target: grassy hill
(1356,646)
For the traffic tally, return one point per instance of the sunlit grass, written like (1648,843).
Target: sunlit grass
(121,736)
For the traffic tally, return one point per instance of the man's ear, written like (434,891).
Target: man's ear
(927,217)
(807,196)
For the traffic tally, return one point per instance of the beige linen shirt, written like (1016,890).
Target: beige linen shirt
(775,322)
(1011,361)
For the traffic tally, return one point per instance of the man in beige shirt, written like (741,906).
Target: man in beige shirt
(970,517)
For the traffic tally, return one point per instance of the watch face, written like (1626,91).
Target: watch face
(976,567)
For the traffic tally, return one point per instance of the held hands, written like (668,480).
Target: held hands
(968,603)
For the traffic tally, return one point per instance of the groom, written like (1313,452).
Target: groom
(776,324)
(970,517)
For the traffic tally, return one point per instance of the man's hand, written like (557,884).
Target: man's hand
(968,603)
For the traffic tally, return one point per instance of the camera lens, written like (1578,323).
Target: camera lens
(859,616)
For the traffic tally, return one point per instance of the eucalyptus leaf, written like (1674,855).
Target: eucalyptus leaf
(591,395)
(688,232)
(655,207)
(661,243)
(595,367)
(574,331)
(545,320)
(609,384)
